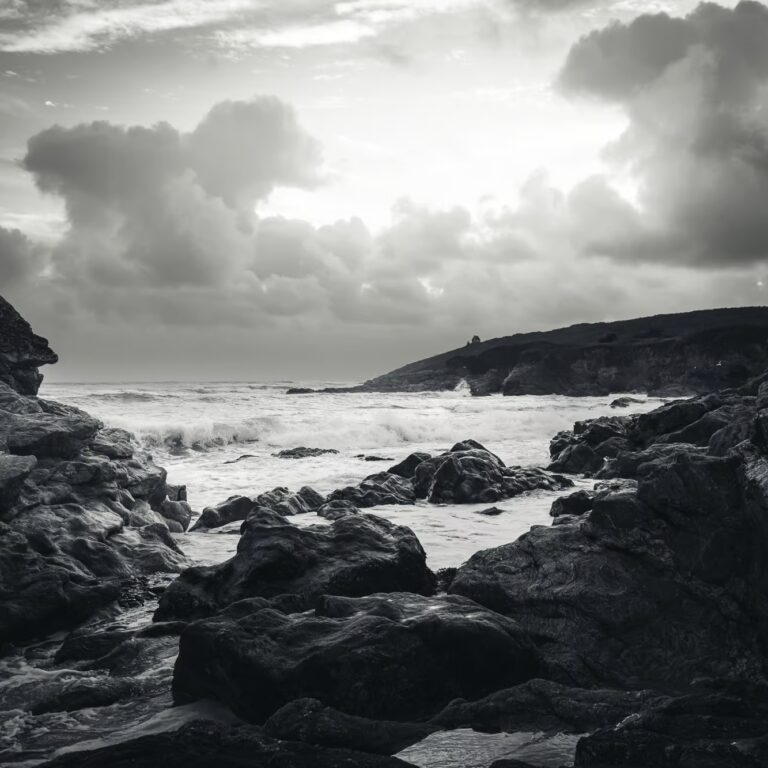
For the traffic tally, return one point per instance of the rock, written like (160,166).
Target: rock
(641,591)
(233,509)
(490,512)
(176,511)
(377,490)
(407,467)
(299,391)
(625,402)
(470,474)
(576,504)
(303,453)
(311,722)
(388,656)
(542,705)
(355,555)
(21,352)
(333,510)
(79,527)
(242,457)
(365,457)
(202,744)
(14,470)
(726,728)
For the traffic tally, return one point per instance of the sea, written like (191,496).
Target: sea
(221,439)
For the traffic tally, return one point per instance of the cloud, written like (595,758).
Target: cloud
(695,91)
(19,257)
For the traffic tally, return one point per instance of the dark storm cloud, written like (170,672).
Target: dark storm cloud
(695,92)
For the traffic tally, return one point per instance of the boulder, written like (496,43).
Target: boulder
(355,555)
(387,656)
(625,402)
(233,509)
(333,510)
(303,453)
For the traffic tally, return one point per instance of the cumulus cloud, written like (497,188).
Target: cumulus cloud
(695,90)
(19,257)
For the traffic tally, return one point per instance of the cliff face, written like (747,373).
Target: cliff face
(21,352)
(688,353)
(85,516)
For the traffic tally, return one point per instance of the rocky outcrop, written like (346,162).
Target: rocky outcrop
(303,453)
(654,586)
(667,355)
(387,656)
(81,509)
(355,555)
(467,474)
(21,352)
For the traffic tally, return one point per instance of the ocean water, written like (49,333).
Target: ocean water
(219,439)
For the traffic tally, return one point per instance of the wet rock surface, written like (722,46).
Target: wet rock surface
(357,554)
(81,509)
(392,656)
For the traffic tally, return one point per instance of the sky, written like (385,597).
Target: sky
(320,189)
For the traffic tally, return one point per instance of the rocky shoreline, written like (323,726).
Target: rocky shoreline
(638,620)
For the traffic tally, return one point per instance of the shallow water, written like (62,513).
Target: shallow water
(194,430)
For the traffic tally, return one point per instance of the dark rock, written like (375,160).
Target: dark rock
(407,467)
(490,512)
(311,722)
(642,590)
(576,504)
(282,501)
(233,509)
(242,457)
(364,457)
(355,555)
(625,402)
(376,490)
(177,511)
(203,744)
(21,352)
(393,656)
(303,453)
(445,577)
(726,728)
(299,391)
(541,705)
(333,510)
(469,473)
(14,470)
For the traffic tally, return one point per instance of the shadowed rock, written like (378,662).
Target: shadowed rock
(392,656)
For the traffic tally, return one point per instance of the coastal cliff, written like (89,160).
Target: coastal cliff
(666,355)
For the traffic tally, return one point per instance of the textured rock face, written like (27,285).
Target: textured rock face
(80,509)
(355,555)
(393,656)
(21,352)
(654,586)
(377,490)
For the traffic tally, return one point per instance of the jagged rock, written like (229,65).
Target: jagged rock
(407,467)
(376,490)
(392,656)
(176,511)
(78,503)
(21,352)
(202,744)
(355,555)
(490,512)
(469,473)
(311,722)
(303,453)
(653,587)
